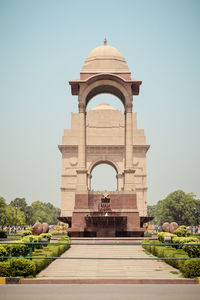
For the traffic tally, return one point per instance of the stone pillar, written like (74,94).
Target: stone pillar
(82,137)
(128,138)
(120,183)
(89,181)
(81,184)
(129,170)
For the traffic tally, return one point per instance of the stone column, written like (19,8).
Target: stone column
(81,184)
(129,170)
(120,183)
(89,181)
(82,137)
(128,138)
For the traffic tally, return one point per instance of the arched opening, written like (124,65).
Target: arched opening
(103,177)
(105,98)
(105,89)
(106,84)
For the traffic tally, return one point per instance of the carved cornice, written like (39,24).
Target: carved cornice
(68,175)
(68,189)
(141,189)
(136,148)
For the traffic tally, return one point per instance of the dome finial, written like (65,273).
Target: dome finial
(105,41)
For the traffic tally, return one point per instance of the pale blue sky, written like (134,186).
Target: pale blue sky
(44,44)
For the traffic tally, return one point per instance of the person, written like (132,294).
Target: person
(156,228)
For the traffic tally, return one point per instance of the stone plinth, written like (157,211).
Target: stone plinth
(113,215)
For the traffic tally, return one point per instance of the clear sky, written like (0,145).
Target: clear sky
(44,44)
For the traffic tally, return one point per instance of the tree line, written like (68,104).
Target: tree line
(176,207)
(18,212)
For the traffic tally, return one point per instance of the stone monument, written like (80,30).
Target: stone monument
(104,135)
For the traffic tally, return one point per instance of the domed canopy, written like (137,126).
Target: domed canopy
(104,107)
(105,59)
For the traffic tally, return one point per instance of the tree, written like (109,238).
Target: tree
(2,211)
(151,212)
(44,212)
(19,202)
(178,207)
(14,216)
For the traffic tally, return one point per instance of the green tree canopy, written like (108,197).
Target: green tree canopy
(178,207)
(44,212)
(20,213)
(2,211)
(14,216)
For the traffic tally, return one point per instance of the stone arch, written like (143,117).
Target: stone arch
(110,84)
(104,161)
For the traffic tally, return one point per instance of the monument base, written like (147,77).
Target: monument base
(113,214)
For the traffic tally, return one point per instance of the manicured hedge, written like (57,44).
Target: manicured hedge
(162,235)
(181,231)
(50,250)
(189,268)
(183,240)
(192,268)
(28,231)
(17,267)
(3,252)
(16,249)
(26,267)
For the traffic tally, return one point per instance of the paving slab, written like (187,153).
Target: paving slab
(100,268)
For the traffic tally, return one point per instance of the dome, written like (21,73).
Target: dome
(103,107)
(105,59)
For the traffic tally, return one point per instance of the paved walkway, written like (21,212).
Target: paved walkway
(112,269)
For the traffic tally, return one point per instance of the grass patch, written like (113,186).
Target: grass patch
(174,272)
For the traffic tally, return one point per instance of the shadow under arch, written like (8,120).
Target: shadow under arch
(105,89)
(106,84)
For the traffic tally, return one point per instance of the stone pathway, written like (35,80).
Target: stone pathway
(104,269)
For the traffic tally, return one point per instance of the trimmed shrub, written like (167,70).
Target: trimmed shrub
(5,269)
(192,250)
(181,231)
(26,267)
(159,251)
(170,253)
(35,238)
(46,235)
(183,240)
(167,252)
(181,262)
(162,235)
(3,252)
(191,268)
(17,249)
(3,234)
(153,247)
(50,250)
(146,247)
(22,267)
(17,267)
(28,231)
